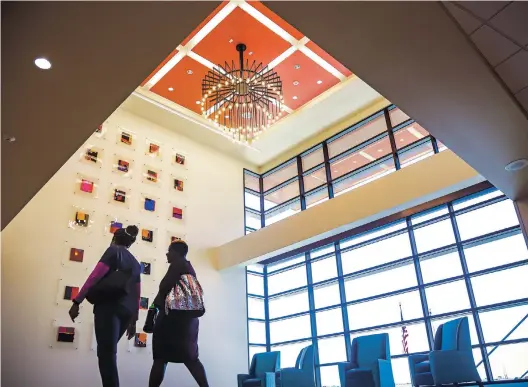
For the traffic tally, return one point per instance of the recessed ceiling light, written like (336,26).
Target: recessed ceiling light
(295,83)
(250,53)
(516,165)
(380,150)
(230,40)
(294,97)
(319,82)
(401,140)
(226,116)
(198,102)
(43,63)
(297,66)
(10,138)
(171,88)
(189,72)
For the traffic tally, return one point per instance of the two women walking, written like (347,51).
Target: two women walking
(114,287)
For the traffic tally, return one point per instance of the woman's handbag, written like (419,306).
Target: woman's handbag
(150,321)
(186,298)
(112,287)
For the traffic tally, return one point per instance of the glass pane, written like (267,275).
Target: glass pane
(257,268)
(314,179)
(252,201)
(286,280)
(501,286)
(324,269)
(385,310)
(289,304)
(312,159)
(381,282)
(317,197)
(257,332)
(363,177)
(281,195)
(252,220)
(400,370)
(377,253)
(326,295)
(253,350)
(415,154)
(471,322)
(290,329)
(487,219)
(360,134)
(497,325)
(289,352)
(361,157)
(281,175)
(439,267)
(449,297)
(428,215)
(435,235)
(282,212)
(409,134)
(330,376)
(477,356)
(255,284)
(248,231)
(285,263)
(496,253)
(509,361)
(255,307)
(329,321)
(251,182)
(385,230)
(332,350)
(328,249)
(397,117)
(475,199)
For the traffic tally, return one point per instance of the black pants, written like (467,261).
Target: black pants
(111,322)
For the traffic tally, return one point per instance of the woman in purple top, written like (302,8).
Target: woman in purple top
(175,338)
(115,316)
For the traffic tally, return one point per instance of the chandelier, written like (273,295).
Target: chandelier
(243,101)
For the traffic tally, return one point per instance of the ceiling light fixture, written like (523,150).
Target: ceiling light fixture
(189,72)
(250,94)
(297,66)
(319,82)
(230,40)
(171,88)
(516,165)
(250,53)
(295,83)
(294,97)
(43,63)
(198,102)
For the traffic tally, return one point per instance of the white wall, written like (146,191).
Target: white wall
(35,249)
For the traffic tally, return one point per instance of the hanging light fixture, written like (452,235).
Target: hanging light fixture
(243,101)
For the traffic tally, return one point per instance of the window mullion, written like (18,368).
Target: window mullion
(342,294)
(311,303)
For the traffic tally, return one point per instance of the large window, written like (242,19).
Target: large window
(462,258)
(374,147)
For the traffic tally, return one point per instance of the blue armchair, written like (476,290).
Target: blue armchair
(303,375)
(262,370)
(370,364)
(451,360)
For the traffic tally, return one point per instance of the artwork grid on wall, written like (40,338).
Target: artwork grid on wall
(153,149)
(151,175)
(179,159)
(86,186)
(65,334)
(126,138)
(122,165)
(80,219)
(92,155)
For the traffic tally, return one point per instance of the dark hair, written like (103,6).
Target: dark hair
(179,247)
(126,236)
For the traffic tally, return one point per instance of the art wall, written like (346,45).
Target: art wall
(38,261)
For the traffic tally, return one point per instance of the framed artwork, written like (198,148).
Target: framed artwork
(100,131)
(122,165)
(113,223)
(126,138)
(153,149)
(86,186)
(146,268)
(69,286)
(173,236)
(178,185)
(64,334)
(144,303)
(80,219)
(179,159)
(70,292)
(120,196)
(147,235)
(151,175)
(140,340)
(92,155)
(176,211)
(76,253)
(149,204)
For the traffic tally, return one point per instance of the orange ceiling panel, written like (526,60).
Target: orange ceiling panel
(330,59)
(187,87)
(240,27)
(308,74)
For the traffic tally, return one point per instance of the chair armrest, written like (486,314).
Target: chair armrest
(241,378)
(413,360)
(270,379)
(295,377)
(453,367)
(342,369)
(385,375)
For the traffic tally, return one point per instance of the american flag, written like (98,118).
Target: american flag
(405,334)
